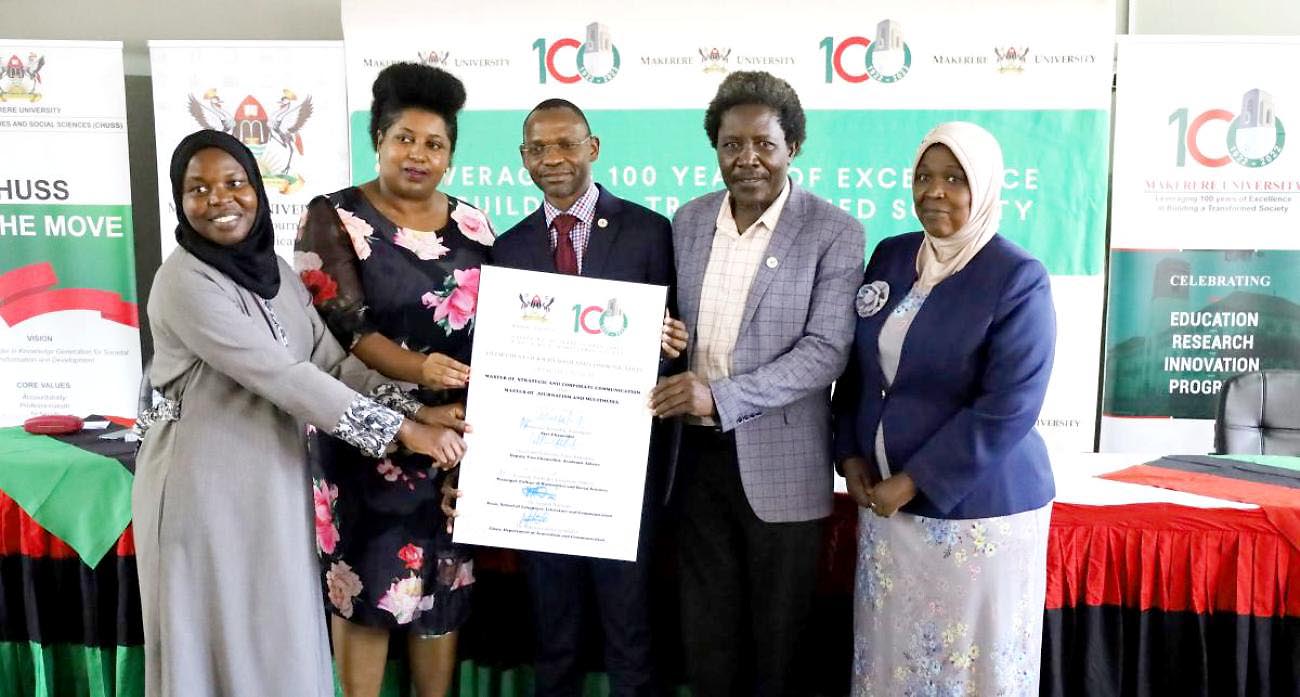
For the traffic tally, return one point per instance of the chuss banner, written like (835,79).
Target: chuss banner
(283,99)
(1204,252)
(873,78)
(69,330)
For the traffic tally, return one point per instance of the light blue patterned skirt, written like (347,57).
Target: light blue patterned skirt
(949,608)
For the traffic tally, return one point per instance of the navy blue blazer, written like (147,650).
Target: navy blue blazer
(635,245)
(971,378)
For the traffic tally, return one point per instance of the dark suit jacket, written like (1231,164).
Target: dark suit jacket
(636,245)
(960,415)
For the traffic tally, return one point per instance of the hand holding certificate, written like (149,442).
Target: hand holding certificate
(563,366)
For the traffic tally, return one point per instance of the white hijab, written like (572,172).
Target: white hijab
(980,156)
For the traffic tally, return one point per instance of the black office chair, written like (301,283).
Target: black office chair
(1259,414)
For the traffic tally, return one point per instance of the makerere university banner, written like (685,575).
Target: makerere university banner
(283,99)
(69,330)
(874,78)
(1204,255)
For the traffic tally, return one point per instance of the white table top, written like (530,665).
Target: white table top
(1077,482)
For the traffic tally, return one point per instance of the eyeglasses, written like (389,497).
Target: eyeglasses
(537,150)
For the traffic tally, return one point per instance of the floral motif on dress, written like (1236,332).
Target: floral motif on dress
(910,302)
(875,564)
(404,599)
(425,245)
(320,284)
(942,533)
(307,261)
(455,574)
(324,495)
(394,473)
(473,224)
(311,270)
(945,633)
(930,648)
(1015,667)
(965,542)
(343,585)
(360,233)
(456,302)
(412,556)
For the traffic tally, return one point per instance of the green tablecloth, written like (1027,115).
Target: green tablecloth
(82,498)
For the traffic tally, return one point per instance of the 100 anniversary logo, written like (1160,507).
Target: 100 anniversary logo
(596,59)
(273,138)
(1255,137)
(610,319)
(22,80)
(886,60)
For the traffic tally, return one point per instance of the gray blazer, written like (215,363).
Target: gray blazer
(794,341)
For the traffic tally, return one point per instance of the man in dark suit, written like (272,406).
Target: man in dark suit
(583,229)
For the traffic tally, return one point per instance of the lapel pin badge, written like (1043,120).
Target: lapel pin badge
(772,262)
(601,222)
(871,298)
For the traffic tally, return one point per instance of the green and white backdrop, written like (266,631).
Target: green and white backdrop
(873,78)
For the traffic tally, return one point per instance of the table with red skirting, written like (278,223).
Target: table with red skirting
(1150,592)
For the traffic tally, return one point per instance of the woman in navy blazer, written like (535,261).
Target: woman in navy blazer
(934,432)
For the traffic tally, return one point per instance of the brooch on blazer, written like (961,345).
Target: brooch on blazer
(871,297)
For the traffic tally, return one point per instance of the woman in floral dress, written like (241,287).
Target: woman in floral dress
(393,267)
(934,432)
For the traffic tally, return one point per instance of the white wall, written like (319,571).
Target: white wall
(1263,17)
(137,21)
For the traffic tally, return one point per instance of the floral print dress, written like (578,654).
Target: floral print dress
(949,608)
(387,560)
(945,608)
